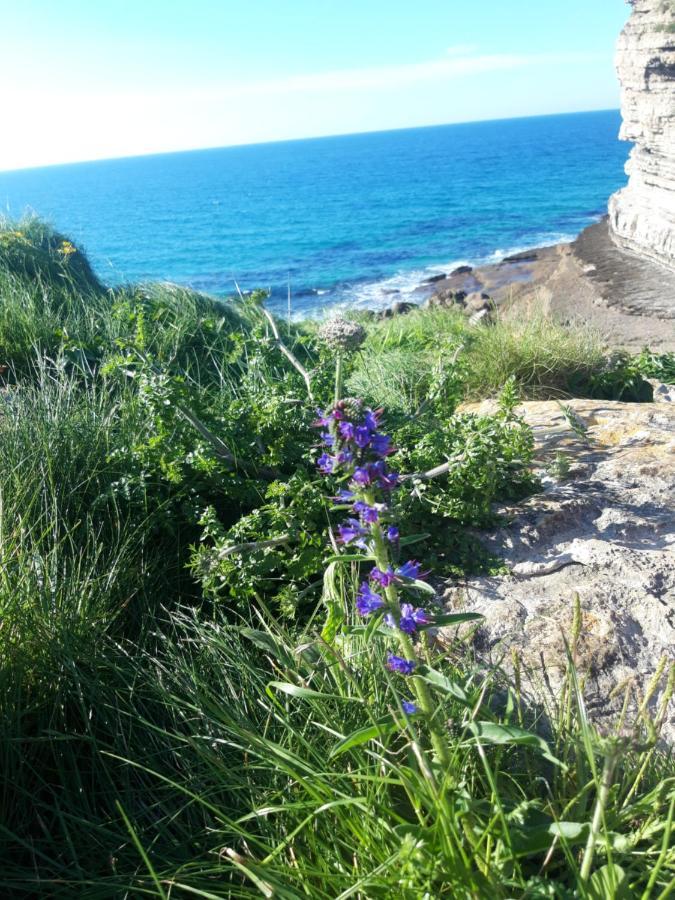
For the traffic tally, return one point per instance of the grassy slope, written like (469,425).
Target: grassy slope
(143,753)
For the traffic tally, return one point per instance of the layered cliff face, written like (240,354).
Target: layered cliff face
(642,215)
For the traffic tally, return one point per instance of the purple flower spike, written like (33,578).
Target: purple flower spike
(352,530)
(400,665)
(409,707)
(369,514)
(325,463)
(410,569)
(367,601)
(393,534)
(383,578)
(361,476)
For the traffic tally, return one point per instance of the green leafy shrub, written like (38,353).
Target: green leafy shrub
(33,250)
(656,365)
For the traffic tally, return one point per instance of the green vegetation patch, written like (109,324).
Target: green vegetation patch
(190,703)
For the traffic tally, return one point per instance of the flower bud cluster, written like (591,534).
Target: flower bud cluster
(341,335)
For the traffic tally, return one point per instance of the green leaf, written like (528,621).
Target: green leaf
(496,734)
(526,840)
(412,539)
(444,684)
(267,642)
(420,586)
(361,736)
(295,690)
(369,629)
(608,883)
(349,557)
(451,619)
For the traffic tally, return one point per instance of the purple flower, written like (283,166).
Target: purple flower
(368,601)
(384,578)
(352,530)
(410,569)
(400,665)
(344,456)
(325,463)
(344,496)
(409,620)
(327,438)
(368,514)
(371,420)
(409,707)
(388,481)
(362,436)
(361,476)
(346,431)
(393,534)
(381,444)
(377,469)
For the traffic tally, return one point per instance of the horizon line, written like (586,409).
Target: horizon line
(318,137)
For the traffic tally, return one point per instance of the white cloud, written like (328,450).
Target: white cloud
(381,77)
(45,124)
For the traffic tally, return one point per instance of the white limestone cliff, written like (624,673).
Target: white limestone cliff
(642,215)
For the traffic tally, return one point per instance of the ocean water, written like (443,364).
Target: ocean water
(356,220)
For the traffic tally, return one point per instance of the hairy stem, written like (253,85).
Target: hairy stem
(383,560)
(290,356)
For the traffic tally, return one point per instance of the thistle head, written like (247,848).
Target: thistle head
(341,335)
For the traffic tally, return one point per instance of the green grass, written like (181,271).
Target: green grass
(546,359)
(177,721)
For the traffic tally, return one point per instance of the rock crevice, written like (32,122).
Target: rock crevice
(642,215)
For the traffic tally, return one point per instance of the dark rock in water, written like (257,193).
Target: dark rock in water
(525,257)
(434,278)
(462,270)
(388,291)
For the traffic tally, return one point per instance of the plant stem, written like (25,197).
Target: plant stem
(339,375)
(291,357)
(424,699)
(598,814)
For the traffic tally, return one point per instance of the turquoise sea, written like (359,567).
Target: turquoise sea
(360,219)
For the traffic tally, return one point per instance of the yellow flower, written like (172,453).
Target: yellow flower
(66,249)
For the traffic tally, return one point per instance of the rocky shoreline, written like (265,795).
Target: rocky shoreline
(628,299)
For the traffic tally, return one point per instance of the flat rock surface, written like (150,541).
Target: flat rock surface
(604,531)
(629,300)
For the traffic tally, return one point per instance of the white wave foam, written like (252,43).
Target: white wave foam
(410,286)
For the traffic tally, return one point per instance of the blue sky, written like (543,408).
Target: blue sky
(103,78)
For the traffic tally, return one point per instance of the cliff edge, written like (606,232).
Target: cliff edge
(642,215)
